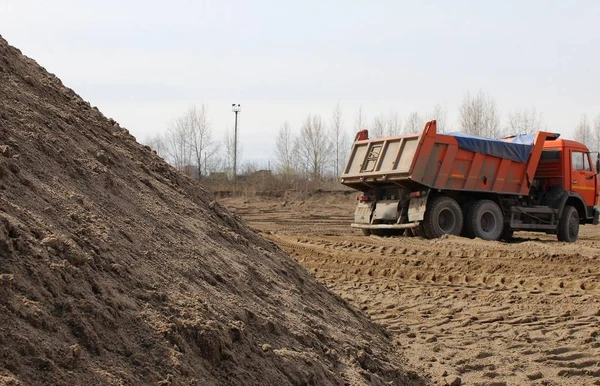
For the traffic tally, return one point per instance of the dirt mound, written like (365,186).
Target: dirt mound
(115,269)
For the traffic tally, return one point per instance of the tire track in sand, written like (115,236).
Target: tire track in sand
(474,312)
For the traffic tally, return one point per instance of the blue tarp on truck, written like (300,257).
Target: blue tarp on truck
(518,152)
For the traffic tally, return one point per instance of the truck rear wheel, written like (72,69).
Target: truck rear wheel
(485,220)
(568,226)
(443,216)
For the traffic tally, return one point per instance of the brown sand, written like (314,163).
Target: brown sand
(116,270)
(489,313)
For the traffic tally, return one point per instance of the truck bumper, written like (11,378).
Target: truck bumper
(386,226)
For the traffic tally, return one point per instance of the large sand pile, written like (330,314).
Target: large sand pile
(115,269)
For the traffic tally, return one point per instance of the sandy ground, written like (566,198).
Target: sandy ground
(489,313)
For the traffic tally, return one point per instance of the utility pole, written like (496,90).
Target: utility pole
(236,108)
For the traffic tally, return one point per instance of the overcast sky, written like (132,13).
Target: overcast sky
(145,62)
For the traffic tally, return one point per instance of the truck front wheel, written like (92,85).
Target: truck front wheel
(443,216)
(485,220)
(568,226)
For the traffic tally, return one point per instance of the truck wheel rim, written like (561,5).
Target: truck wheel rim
(446,220)
(488,222)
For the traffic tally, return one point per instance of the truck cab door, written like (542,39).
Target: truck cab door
(583,178)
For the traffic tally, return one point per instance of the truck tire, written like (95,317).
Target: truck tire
(485,220)
(366,232)
(443,216)
(568,226)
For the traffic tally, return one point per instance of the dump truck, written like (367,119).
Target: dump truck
(432,184)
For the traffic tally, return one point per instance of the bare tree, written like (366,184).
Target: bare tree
(339,139)
(583,132)
(361,120)
(478,116)
(313,147)
(177,143)
(414,123)
(199,137)
(440,115)
(524,121)
(188,141)
(284,150)
(213,160)
(394,125)
(378,128)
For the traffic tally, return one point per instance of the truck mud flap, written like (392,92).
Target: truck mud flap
(386,210)
(362,214)
(416,209)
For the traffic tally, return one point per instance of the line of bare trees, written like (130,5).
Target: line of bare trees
(188,144)
(479,116)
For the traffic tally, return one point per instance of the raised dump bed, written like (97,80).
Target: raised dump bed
(445,162)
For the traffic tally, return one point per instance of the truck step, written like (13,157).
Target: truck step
(533,210)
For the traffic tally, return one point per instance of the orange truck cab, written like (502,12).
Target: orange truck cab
(431,184)
(568,166)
